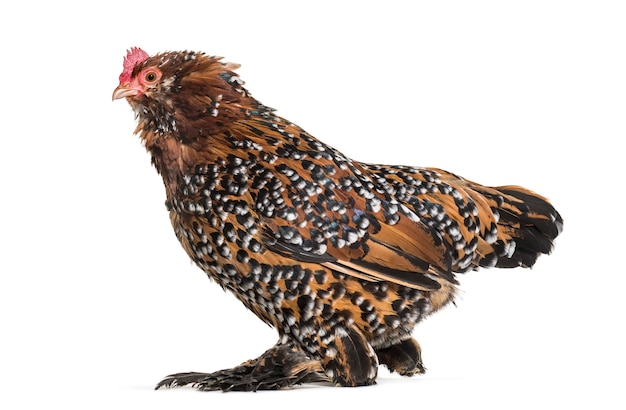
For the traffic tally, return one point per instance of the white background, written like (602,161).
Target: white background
(97,299)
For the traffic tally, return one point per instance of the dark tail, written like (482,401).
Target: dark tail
(527,226)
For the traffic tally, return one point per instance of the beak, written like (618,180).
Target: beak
(124,90)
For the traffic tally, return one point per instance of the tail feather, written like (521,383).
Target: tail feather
(527,226)
(536,211)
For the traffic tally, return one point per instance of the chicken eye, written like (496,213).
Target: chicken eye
(151,76)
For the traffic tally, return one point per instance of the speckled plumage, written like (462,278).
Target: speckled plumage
(343,258)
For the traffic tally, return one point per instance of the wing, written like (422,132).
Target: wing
(347,220)
(354,241)
(410,226)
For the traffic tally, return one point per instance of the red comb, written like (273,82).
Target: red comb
(134,56)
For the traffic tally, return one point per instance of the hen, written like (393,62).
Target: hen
(343,258)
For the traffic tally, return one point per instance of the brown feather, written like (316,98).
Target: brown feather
(344,258)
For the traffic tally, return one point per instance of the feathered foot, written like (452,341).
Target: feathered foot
(405,358)
(280,367)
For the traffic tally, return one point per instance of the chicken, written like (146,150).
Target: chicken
(343,258)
